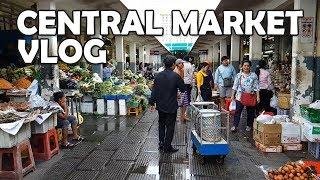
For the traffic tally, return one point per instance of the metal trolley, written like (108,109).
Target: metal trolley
(210,136)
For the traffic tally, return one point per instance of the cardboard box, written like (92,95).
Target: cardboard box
(291,133)
(101,106)
(267,134)
(112,107)
(292,147)
(268,149)
(122,107)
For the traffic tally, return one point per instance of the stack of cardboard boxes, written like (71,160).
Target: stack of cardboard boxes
(267,137)
(277,137)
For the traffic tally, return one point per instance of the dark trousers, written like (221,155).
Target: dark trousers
(167,122)
(189,89)
(250,114)
(265,97)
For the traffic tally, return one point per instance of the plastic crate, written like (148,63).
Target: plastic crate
(110,97)
(313,115)
(8,141)
(124,97)
(313,149)
(49,123)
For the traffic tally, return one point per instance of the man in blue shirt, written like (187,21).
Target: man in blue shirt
(164,96)
(224,78)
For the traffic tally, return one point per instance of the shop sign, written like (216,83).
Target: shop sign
(307,29)
(203,52)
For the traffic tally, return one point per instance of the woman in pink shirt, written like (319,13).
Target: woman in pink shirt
(266,88)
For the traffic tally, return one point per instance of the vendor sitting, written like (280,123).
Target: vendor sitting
(64,120)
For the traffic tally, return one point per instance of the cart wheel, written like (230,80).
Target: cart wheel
(194,149)
(220,159)
(202,160)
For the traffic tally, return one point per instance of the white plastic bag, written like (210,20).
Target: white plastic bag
(233,106)
(274,102)
(199,98)
(33,88)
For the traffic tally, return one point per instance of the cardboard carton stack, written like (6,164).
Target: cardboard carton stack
(267,136)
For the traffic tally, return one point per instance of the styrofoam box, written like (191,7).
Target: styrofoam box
(19,98)
(297,119)
(112,107)
(122,107)
(87,107)
(49,123)
(101,106)
(7,140)
(291,133)
(314,149)
(309,130)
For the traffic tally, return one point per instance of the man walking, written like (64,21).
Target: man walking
(164,96)
(224,78)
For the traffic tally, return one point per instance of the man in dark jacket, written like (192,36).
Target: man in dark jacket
(164,96)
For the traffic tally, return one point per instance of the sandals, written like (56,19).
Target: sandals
(67,146)
(79,139)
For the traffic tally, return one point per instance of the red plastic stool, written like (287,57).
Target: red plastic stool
(45,145)
(17,161)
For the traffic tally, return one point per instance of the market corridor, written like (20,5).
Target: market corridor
(127,148)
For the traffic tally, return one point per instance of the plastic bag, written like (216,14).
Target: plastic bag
(33,88)
(199,98)
(274,102)
(233,106)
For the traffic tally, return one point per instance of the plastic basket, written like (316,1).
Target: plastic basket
(313,115)
(284,101)
(133,104)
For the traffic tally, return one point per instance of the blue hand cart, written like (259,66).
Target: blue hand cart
(210,136)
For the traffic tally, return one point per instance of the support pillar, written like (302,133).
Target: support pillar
(97,68)
(49,72)
(235,51)
(216,60)
(255,50)
(133,57)
(302,72)
(317,69)
(223,48)
(147,53)
(120,55)
(141,55)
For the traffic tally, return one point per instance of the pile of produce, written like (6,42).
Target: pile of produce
(292,170)
(8,118)
(22,83)
(18,106)
(13,74)
(5,85)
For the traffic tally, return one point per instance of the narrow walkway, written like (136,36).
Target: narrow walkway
(127,148)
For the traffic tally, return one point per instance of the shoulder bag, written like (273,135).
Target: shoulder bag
(248,99)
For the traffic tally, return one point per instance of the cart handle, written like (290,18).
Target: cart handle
(195,104)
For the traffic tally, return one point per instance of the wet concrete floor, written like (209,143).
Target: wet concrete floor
(127,148)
